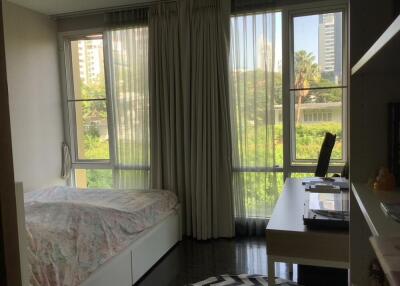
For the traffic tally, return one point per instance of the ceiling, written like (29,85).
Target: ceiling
(55,7)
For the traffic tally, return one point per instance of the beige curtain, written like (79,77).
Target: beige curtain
(169,109)
(191,140)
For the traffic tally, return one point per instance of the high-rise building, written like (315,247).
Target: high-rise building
(330,44)
(90,54)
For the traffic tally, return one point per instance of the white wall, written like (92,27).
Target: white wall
(34,91)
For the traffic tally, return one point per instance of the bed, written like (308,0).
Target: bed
(96,237)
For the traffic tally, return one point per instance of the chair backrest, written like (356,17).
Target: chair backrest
(325,154)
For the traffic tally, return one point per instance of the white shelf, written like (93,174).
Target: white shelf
(369,202)
(385,230)
(388,254)
(384,39)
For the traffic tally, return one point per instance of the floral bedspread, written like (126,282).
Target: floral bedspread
(72,232)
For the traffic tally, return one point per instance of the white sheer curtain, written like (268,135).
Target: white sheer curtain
(255,88)
(130,102)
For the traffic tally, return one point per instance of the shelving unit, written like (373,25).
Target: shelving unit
(385,231)
(369,202)
(387,43)
(374,83)
(387,252)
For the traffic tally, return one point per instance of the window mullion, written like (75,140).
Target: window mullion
(286,77)
(88,99)
(319,88)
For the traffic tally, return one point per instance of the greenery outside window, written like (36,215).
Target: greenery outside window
(288,87)
(107,107)
(87,108)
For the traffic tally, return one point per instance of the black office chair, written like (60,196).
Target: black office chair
(325,155)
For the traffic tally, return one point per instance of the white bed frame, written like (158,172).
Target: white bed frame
(126,268)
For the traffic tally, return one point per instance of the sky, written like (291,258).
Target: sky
(247,31)
(305,30)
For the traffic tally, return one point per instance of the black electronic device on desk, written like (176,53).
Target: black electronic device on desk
(326,209)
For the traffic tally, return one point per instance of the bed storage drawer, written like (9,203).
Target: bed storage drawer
(152,246)
(115,272)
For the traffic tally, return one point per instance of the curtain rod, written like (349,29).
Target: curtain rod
(110,9)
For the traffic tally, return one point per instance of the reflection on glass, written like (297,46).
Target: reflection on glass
(94,178)
(317,112)
(318,51)
(91,129)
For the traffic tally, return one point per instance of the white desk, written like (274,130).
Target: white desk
(289,240)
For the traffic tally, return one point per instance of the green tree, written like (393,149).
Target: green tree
(94,89)
(306,72)
(93,114)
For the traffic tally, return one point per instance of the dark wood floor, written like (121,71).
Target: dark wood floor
(192,261)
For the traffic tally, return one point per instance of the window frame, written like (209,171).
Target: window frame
(288,13)
(291,164)
(69,116)
(65,60)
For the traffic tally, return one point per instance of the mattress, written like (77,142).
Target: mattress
(71,232)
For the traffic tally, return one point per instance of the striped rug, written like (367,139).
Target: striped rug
(242,279)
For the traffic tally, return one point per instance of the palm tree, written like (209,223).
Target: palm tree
(306,71)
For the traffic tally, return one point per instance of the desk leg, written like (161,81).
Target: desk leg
(271,272)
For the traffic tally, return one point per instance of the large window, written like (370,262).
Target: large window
(108,108)
(288,87)
(88,101)
(87,109)
(317,85)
